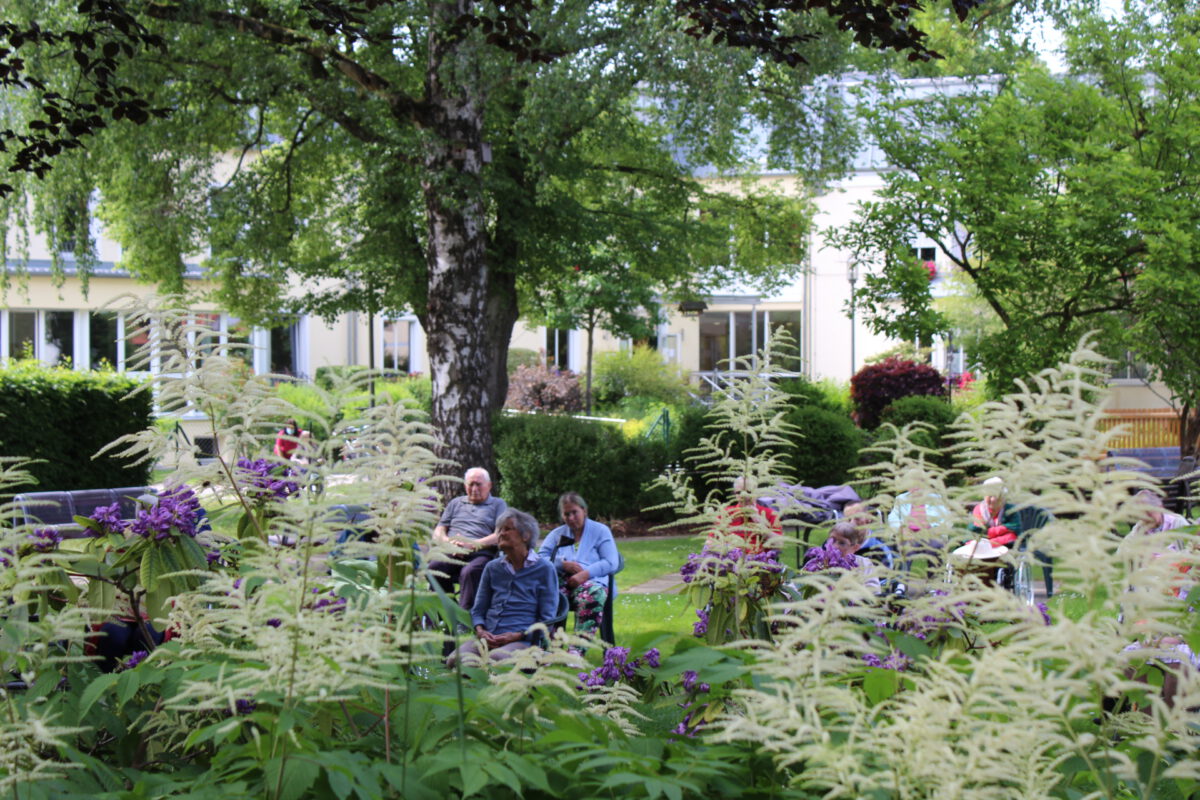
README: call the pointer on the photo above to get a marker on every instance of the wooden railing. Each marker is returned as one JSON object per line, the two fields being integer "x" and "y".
{"x": 1145, "y": 427}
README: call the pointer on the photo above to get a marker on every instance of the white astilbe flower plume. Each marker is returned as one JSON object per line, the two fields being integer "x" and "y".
{"x": 1010, "y": 705}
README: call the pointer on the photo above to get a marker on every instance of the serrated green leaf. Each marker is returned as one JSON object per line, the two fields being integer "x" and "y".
{"x": 150, "y": 570}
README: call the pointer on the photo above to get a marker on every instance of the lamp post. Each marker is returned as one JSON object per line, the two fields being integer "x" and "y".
{"x": 852, "y": 276}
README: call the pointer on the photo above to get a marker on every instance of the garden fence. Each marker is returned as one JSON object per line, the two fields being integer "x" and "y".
{"x": 1145, "y": 427}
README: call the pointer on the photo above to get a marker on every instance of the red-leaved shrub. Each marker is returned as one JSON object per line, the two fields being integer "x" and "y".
{"x": 876, "y": 386}
{"x": 541, "y": 389}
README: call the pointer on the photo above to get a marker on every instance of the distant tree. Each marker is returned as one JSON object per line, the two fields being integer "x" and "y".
{"x": 1071, "y": 203}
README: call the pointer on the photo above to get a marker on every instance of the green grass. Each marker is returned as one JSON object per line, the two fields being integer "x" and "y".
{"x": 652, "y": 558}
{"x": 641, "y": 616}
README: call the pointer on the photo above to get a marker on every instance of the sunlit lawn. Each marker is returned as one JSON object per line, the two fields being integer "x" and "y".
{"x": 652, "y": 558}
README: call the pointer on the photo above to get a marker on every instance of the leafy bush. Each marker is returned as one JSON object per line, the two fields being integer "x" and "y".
{"x": 541, "y": 456}
{"x": 64, "y": 418}
{"x": 639, "y": 372}
{"x": 521, "y": 357}
{"x": 827, "y": 394}
{"x": 877, "y": 386}
{"x": 827, "y": 448}
{"x": 328, "y": 376}
{"x": 931, "y": 409}
{"x": 541, "y": 389}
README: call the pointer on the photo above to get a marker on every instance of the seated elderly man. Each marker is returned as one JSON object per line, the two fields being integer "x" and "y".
{"x": 517, "y": 590}
{"x": 469, "y": 522}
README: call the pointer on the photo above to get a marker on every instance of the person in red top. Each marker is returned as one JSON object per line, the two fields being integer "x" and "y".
{"x": 998, "y": 519}
{"x": 288, "y": 439}
{"x": 750, "y": 520}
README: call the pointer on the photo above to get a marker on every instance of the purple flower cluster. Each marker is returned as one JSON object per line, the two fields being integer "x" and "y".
{"x": 135, "y": 658}
{"x": 701, "y": 627}
{"x": 175, "y": 512}
{"x": 43, "y": 540}
{"x": 266, "y": 480}
{"x": 327, "y": 601}
{"x": 688, "y": 680}
{"x": 713, "y": 564}
{"x": 617, "y": 666}
{"x": 828, "y": 556}
{"x": 109, "y": 518}
{"x": 895, "y": 661}
{"x": 921, "y": 627}
{"x": 1045, "y": 612}
{"x": 245, "y": 706}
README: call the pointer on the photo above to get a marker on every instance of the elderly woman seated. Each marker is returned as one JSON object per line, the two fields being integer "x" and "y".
{"x": 517, "y": 590}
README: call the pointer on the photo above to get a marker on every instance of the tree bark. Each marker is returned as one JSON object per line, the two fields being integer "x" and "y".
{"x": 1189, "y": 430}
{"x": 461, "y": 357}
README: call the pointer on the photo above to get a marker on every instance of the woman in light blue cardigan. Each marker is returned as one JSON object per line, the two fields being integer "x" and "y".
{"x": 585, "y": 553}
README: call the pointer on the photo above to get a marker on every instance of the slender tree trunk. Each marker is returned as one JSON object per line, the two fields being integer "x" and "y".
{"x": 1189, "y": 430}
{"x": 461, "y": 358}
{"x": 587, "y": 396}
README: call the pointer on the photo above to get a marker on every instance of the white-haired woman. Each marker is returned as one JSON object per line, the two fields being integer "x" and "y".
{"x": 517, "y": 590}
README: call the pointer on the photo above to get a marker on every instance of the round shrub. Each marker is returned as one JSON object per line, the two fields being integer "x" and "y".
{"x": 540, "y": 456}
{"x": 541, "y": 389}
{"x": 827, "y": 449}
{"x": 877, "y": 386}
{"x": 930, "y": 409}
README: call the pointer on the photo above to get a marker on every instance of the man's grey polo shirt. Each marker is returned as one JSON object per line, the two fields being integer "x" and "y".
{"x": 468, "y": 520}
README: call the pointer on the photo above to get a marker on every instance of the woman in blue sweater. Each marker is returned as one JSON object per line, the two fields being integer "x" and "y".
{"x": 518, "y": 588}
{"x": 584, "y": 553}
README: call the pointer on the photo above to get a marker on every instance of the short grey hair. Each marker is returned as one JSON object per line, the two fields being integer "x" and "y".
{"x": 524, "y": 524}
{"x": 571, "y": 497}
{"x": 1149, "y": 498}
{"x": 480, "y": 470}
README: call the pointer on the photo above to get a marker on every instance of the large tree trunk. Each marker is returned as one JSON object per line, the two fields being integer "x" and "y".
{"x": 460, "y": 353}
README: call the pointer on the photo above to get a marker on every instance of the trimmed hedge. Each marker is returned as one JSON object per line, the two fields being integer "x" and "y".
{"x": 540, "y": 456}
{"x": 63, "y": 418}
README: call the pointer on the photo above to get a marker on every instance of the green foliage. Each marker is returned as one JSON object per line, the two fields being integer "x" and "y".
{"x": 639, "y": 372}
{"x": 521, "y": 357}
{"x": 310, "y": 400}
{"x": 63, "y": 418}
{"x": 930, "y": 409}
{"x": 316, "y": 670}
{"x": 328, "y": 376}
{"x": 541, "y": 456}
{"x": 1075, "y": 218}
{"x": 826, "y": 449}
{"x": 826, "y": 393}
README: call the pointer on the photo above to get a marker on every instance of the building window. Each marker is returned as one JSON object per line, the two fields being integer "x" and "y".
{"x": 104, "y": 340}
{"x": 714, "y": 340}
{"x": 285, "y": 349}
{"x": 1131, "y": 368}
{"x": 59, "y": 345}
{"x": 558, "y": 348}
{"x": 725, "y": 335}
{"x": 22, "y": 334}
{"x": 397, "y": 345}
